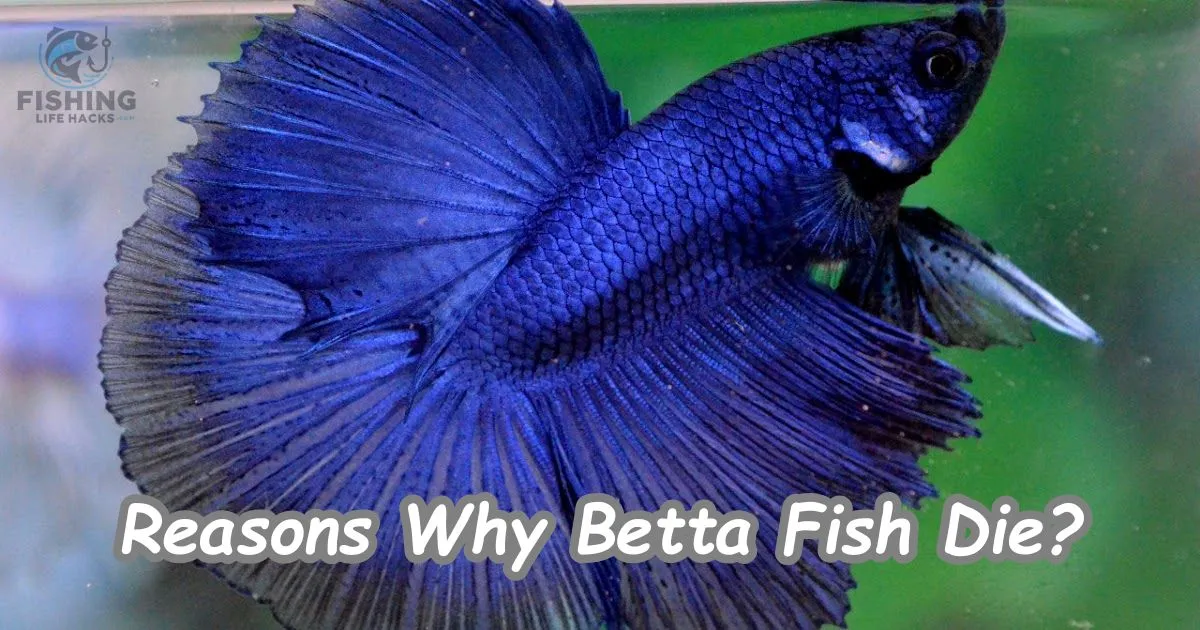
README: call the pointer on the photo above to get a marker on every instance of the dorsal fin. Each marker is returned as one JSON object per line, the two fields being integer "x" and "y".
{"x": 383, "y": 159}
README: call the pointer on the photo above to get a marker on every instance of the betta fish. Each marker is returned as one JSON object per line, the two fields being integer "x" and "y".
{"x": 419, "y": 249}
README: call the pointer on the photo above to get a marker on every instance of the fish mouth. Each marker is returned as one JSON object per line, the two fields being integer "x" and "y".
{"x": 986, "y": 27}
{"x": 870, "y": 180}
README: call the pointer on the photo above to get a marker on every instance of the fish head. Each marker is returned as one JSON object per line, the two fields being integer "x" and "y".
{"x": 85, "y": 40}
{"x": 905, "y": 91}
{"x": 886, "y": 100}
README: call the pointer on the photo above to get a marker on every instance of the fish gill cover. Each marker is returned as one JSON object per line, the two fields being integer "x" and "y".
{"x": 419, "y": 249}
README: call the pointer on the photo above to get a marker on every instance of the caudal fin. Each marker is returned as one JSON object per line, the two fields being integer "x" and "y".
{"x": 363, "y": 172}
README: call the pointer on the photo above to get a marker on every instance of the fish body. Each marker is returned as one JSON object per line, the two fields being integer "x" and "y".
{"x": 419, "y": 250}
{"x": 741, "y": 174}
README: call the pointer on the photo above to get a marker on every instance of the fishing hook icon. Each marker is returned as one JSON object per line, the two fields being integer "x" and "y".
{"x": 106, "y": 43}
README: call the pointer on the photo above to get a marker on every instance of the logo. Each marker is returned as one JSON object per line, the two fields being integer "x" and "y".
{"x": 75, "y": 58}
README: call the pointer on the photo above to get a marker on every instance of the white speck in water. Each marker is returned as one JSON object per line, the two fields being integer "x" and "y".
{"x": 1143, "y": 361}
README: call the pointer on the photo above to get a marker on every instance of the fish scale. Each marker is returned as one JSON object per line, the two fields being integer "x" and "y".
{"x": 672, "y": 218}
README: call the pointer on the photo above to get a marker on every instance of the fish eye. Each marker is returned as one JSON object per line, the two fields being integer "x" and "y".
{"x": 939, "y": 61}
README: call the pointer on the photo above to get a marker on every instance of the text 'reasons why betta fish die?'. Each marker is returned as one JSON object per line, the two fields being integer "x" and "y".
{"x": 426, "y": 330}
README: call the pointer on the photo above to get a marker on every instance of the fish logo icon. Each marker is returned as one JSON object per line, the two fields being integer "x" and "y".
{"x": 75, "y": 58}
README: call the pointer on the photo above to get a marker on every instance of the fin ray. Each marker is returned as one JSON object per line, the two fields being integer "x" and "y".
{"x": 359, "y": 101}
{"x": 931, "y": 277}
{"x": 783, "y": 389}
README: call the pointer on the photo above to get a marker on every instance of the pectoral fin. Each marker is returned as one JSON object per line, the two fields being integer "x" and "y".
{"x": 930, "y": 276}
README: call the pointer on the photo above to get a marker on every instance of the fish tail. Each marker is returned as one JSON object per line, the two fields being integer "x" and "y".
{"x": 183, "y": 330}
{"x": 219, "y": 414}
{"x": 363, "y": 173}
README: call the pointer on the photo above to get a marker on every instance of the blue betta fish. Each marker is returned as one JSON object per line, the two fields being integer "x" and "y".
{"x": 419, "y": 249}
